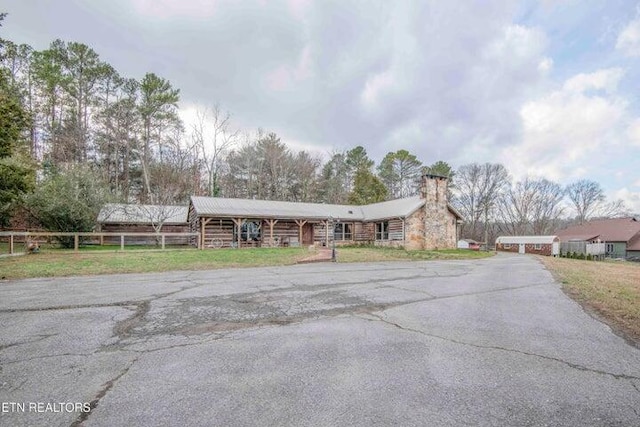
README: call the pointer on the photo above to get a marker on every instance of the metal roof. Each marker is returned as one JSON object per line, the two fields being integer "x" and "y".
{"x": 249, "y": 208}
{"x": 392, "y": 208}
{"x": 515, "y": 240}
{"x": 112, "y": 213}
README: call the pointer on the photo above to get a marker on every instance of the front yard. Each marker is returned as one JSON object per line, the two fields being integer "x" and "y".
{"x": 610, "y": 289}
{"x": 65, "y": 263}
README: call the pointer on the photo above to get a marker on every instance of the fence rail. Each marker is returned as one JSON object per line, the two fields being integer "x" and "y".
{"x": 32, "y": 236}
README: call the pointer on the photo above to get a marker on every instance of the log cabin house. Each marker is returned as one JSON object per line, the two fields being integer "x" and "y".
{"x": 426, "y": 221}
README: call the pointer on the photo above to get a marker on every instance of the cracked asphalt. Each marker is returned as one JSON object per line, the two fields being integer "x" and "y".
{"x": 490, "y": 342}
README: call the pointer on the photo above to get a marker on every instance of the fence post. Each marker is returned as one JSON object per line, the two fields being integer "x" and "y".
{"x": 163, "y": 241}
{"x": 122, "y": 242}
{"x": 75, "y": 242}
{"x": 11, "y": 244}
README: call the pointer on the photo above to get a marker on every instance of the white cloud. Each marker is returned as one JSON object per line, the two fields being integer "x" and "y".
{"x": 606, "y": 80}
{"x": 285, "y": 77}
{"x": 631, "y": 198}
{"x": 405, "y": 135}
{"x": 170, "y": 9}
{"x": 545, "y": 65}
{"x": 629, "y": 39}
{"x": 374, "y": 89}
{"x": 633, "y": 132}
{"x": 563, "y": 132}
{"x": 518, "y": 44}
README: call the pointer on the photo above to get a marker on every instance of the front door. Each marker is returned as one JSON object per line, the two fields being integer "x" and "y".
{"x": 307, "y": 234}
{"x": 521, "y": 248}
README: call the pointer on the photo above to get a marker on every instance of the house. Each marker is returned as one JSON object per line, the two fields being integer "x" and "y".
{"x": 426, "y": 221}
{"x": 469, "y": 244}
{"x": 620, "y": 235}
{"x": 125, "y": 218}
{"x": 538, "y": 245}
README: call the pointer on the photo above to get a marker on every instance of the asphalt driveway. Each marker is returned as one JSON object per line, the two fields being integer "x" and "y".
{"x": 490, "y": 342}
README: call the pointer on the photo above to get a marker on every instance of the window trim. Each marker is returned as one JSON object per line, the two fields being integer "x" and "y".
{"x": 382, "y": 230}
{"x": 506, "y": 246}
{"x": 345, "y": 232}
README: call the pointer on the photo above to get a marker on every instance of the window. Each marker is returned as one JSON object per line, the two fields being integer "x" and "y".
{"x": 609, "y": 249}
{"x": 506, "y": 246}
{"x": 537, "y": 246}
{"x": 250, "y": 231}
{"x": 342, "y": 231}
{"x": 382, "y": 230}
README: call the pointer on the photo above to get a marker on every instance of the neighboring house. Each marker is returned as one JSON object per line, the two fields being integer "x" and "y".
{"x": 421, "y": 222}
{"x": 469, "y": 244}
{"x": 123, "y": 218}
{"x": 539, "y": 245}
{"x": 620, "y": 235}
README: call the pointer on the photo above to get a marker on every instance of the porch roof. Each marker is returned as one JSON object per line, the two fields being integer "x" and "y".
{"x": 249, "y": 208}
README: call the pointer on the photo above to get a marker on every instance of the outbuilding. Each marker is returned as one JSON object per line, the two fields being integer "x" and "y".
{"x": 539, "y": 245}
{"x": 124, "y": 218}
{"x": 469, "y": 244}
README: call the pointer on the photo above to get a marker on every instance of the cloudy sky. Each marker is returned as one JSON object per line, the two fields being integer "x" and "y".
{"x": 548, "y": 88}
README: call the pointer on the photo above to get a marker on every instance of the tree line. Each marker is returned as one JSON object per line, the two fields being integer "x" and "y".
{"x": 75, "y": 134}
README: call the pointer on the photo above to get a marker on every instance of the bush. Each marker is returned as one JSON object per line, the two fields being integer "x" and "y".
{"x": 68, "y": 201}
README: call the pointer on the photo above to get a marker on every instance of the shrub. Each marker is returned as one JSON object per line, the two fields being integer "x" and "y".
{"x": 68, "y": 201}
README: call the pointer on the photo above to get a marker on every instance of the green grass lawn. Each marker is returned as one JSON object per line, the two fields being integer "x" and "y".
{"x": 58, "y": 263}
{"x": 611, "y": 289}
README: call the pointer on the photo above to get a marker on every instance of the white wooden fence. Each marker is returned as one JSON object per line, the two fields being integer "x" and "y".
{"x": 582, "y": 247}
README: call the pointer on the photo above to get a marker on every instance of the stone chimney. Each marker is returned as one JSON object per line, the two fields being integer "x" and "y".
{"x": 439, "y": 223}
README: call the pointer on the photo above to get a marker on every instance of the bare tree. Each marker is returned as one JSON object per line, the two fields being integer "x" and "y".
{"x": 479, "y": 187}
{"x": 586, "y": 197}
{"x": 530, "y": 206}
{"x": 515, "y": 208}
{"x": 613, "y": 209}
{"x": 213, "y": 136}
{"x": 547, "y": 207}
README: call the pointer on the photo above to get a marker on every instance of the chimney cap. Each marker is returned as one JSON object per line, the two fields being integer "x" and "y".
{"x": 434, "y": 176}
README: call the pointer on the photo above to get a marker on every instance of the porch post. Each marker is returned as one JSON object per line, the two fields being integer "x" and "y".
{"x": 203, "y": 226}
{"x": 326, "y": 232}
{"x": 238, "y": 223}
{"x": 271, "y": 223}
{"x": 300, "y": 223}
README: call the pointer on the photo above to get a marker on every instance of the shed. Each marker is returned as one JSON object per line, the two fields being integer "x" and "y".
{"x": 469, "y": 244}
{"x": 126, "y": 218}
{"x": 539, "y": 245}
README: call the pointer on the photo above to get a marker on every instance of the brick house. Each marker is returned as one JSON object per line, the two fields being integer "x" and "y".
{"x": 538, "y": 245}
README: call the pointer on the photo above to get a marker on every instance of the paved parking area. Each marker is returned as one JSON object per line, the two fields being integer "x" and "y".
{"x": 483, "y": 342}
